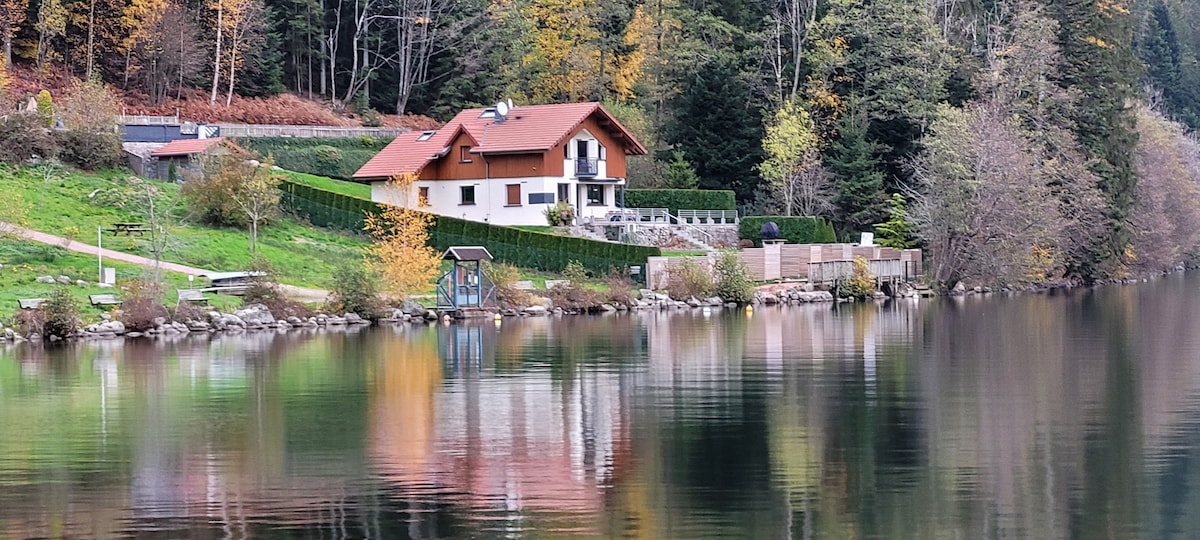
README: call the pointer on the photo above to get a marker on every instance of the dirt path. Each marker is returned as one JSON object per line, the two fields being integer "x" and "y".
{"x": 302, "y": 294}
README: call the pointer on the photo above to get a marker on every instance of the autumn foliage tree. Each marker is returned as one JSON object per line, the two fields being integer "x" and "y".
{"x": 401, "y": 254}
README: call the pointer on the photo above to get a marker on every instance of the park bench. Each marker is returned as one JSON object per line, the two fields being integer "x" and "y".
{"x": 104, "y": 299}
{"x": 552, "y": 283}
{"x": 128, "y": 228}
{"x": 523, "y": 285}
{"x": 192, "y": 296}
{"x": 31, "y": 303}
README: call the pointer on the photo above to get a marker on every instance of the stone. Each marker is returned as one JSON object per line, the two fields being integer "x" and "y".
{"x": 816, "y": 296}
{"x": 646, "y": 294}
{"x": 134, "y": 334}
{"x": 431, "y": 315}
{"x": 535, "y": 310}
{"x": 294, "y": 321}
{"x": 105, "y": 285}
{"x": 768, "y": 298}
{"x": 354, "y": 318}
{"x": 255, "y": 314}
{"x": 116, "y": 327}
{"x": 63, "y": 279}
{"x": 45, "y": 279}
{"x": 607, "y": 308}
{"x": 335, "y": 321}
{"x": 730, "y": 304}
{"x": 159, "y": 321}
{"x": 81, "y": 283}
{"x": 412, "y": 308}
{"x": 959, "y": 289}
{"x": 558, "y": 311}
{"x": 713, "y": 301}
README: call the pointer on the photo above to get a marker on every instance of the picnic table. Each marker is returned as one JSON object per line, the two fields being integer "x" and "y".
{"x": 128, "y": 228}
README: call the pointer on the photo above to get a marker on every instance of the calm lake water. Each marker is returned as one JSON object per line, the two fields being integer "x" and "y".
{"x": 1065, "y": 416}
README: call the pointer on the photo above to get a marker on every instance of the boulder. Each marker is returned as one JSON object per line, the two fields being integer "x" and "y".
{"x": 255, "y": 314}
{"x": 647, "y": 294}
{"x": 294, "y": 321}
{"x": 558, "y": 311}
{"x": 105, "y": 285}
{"x": 959, "y": 289}
{"x": 116, "y": 327}
{"x": 159, "y": 321}
{"x": 768, "y": 298}
{"x": 713, "y": 301}
{"x": 535, "y": 310}
{"x": 412, "y": 308}
{"x": 693, "y": 302}
{"x": 431, "y": 315}
{"x": 63, "y": 279}
{"x": 81, "y": 283}
{"x": 607, "y": 308}
{"x": 815, "y": 296}
{"x": 45, "y": 279}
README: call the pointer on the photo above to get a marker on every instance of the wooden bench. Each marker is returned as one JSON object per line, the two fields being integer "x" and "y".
{"x": 31, "y": 303}
{"x": 128, "y": 228}
{"x": 104, "y": 299}
{"x": 523, "y": 285}
{"x": 192, "y": 296}
{"x": 552, "y": 283}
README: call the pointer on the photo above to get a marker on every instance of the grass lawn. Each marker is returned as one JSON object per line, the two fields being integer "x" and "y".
{"x": 353, "y": 189}
{"x": 76, "y": 205}
{"x": 25, "y": 261}
{"x": 683, "y": 253}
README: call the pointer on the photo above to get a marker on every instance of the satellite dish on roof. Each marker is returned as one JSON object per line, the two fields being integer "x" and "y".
{"x": 502, "y": 109}
{"x": 510, "y": 105}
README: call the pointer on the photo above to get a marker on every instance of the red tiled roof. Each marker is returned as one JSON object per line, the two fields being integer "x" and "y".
{"x": 529, "y": 128}
{"x": 185, "y": 147}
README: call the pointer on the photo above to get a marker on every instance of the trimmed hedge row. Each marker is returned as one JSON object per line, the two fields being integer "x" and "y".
{"x": 332, "y": 157}
{"x": 676, "y": 199}
{"x": 528, "y": 249}
{"x": 794, "y": 229}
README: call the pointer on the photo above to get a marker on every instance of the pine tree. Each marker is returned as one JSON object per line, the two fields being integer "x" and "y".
{"x": 859, "y": 182}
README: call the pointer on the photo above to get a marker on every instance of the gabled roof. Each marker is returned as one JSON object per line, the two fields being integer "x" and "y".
{"x": 467, "y": 253}
{"x": 186, "y": 147}
{"x": 526, "y": 129}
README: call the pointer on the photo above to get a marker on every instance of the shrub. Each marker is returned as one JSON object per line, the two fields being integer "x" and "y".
{"x": 861, "y": 283}
{"x": 61, "y": 314}
{"x": 794, "y": 229}
{"x": 91, "y": 150}
{"x": 265, "y": 290}
{"x": 327, "y": 155}
{"x": 355, "y": 289}
{"x": 299, "y": 155}
{"x": 185, "y": 311}
{"x": 675, "y": 199}
{"x": 573, "y": 298}
{"x": 91, "y": 107}
{"x": 210, "y": 196}
{"x": 621, "y": 289}
{"x": 29, "y": 321}
{"x": 141, "y": 303}
{"x": 45, "y": 108}
{"x": 559, "y": 215}
{"x": 575, "y": 273}
{"x": 506, "y": 276}
{"x": 732, "y": 278}
{"x": 687, "y": 279}
{"x": 23, "y": 136}
{"x": 371, "y": 118}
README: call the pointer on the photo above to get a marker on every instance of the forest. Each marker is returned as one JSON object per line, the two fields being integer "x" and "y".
{"x": 1016, "y": 140}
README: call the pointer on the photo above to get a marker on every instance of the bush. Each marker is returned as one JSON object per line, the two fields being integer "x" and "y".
{"x": 185, "y": 311}
{"x": 559, "y": 215}
{"x": 573, "y": 298}
{"x": 732, "y": 278}
{"x": 23, "y": 136}
{"x": 505, "y": 276}
{"x": 210, "y": 196}
{"x": 575, "y": 273}
{"x": 861, "y": 283}
{"x": 327, "y": 155}
{"x": 141, "y": 303}
{"x": 60, "y": 314}
{"x": 675, "y": 199}
{"x": 355, "y": 289}
{"x": 621, "y": 289}
{"x": 794, "y": 229}
{"x": 265, "y": 290}
{"x": 91, "y": 150}
{"x": 371, "y": 118}
{"x": 45, "y": 108}
{"x": 687, "y": 279}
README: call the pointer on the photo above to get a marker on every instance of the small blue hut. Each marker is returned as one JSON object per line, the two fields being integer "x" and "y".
{"x": 465, "y": 287}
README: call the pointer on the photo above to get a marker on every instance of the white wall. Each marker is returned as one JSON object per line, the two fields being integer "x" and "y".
{"x": 490, "y": 198}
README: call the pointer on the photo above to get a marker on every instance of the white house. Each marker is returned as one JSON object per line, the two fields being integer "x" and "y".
{"x": 507, "y": 169}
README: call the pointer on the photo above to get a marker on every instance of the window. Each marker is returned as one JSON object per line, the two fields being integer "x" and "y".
{"x": 595, "y": 195}
{"x": 581, "y": 149}
{"x": 564, "y": 193}
{"x": 425, "y": 135}
{"x": 464, "y": 154}
{"x": 541, "y": 198}
{"x": 603, "y": 154}
{"x": 489, "y": 112}
{"x": 423, "y": 196}
{"x": 467, "y": 195}
{"x": 514, "y": 195}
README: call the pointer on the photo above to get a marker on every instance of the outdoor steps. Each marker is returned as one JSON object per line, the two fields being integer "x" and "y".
{"x": 586, "y": 232}
{"x": 683, "y": 233}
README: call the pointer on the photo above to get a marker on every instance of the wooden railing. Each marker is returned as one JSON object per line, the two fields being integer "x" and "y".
{"x": 830, "y": 271}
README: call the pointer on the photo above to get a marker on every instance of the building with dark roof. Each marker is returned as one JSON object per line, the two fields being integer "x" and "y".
{"x": 508, "y": 168}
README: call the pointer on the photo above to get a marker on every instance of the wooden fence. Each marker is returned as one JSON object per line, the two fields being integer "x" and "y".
{"x": 818, "y": 263}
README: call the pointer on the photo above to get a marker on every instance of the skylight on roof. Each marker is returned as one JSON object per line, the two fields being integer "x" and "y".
{"x": 425, "y": 135}
{"x": 489, "y": 112}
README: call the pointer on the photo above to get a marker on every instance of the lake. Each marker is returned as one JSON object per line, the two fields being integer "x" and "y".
{"x": 1074, "y": 415}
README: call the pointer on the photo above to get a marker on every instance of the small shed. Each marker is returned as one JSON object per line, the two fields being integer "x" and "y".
{"x": 465, "y": 287}
{"x": 185, "y": 156}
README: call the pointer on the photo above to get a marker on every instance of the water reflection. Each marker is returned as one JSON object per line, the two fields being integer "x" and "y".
{"x": 1037, "y": 416}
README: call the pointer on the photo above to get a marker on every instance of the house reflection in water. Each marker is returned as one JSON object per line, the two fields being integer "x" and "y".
{"x": 516, "y": 450}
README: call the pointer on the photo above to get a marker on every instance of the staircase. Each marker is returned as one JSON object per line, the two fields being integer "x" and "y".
{"x": 586, "y": 232}
{"x": 692, "y": 237}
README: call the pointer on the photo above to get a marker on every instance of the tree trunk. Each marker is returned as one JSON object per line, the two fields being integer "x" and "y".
{"x": 232, "y": 71}
{"x": 212, "y": 100}
{"x": 91, "y": 38}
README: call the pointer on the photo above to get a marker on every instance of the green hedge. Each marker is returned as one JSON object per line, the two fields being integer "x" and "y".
{"x": 523, "y": 248}
{"x": 676, "y": 199}
{"x": 796, "y": 230}
{"x": 333, "y": 157}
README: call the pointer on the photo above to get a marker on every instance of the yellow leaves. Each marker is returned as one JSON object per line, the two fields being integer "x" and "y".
{"x": 628, "y": 67}
{"x": 1040, "y": 263}
{"x": 1109, "y": 8}
{"x": 1098, "y": 42}
{"x": 400, "y": 253}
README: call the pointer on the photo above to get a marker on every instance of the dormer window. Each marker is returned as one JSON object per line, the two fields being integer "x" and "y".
{"x": 425, "y": 136}
{"x": 489, "y": 112}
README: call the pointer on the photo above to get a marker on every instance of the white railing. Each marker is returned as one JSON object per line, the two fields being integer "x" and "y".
{"x": 830, "y": 271}
{"x": 145, "y": 120}
{"x": 709, "y": 217}
{"x": 640, "y": 215}
{"x": 266, "y": 130}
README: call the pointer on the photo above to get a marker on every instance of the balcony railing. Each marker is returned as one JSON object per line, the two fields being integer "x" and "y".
{"x": 587, "y": 167}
